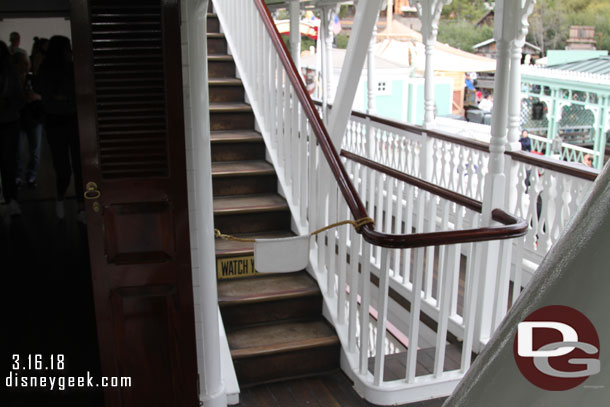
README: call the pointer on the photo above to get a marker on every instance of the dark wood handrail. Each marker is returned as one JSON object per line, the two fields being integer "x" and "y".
{"x": 564, "y": 167}
{"x": 512, "y": 225}
{"x": 444, "y": 193}
{"x": 515, "y": 226}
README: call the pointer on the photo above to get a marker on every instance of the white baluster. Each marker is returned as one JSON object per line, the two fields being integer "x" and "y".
{"x": 354, "y": 258}
{"x": 365, "y": 295}
{"x": 382, "y": 315}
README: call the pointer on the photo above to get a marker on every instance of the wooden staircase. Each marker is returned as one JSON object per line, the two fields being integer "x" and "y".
{"x": 274, "y": 322}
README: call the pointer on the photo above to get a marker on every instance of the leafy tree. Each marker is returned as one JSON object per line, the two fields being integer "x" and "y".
{"x": 462, "y": 34}
{"x": 551, "y": 20}
{"x": 469, "y": 10}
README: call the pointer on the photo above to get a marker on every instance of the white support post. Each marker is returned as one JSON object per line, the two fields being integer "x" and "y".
{"x": 211, "y": 385}
{"x": 389, "y": 14}
{"x": 371, "y": 80}
{"x": 366, "y": 15}
{"x": 514, "y": 101}
{"x": 295, "y": 33}
{"x": 326, "y": 53}
{"x": 493, "y": 195}
{"x": 601, "y": 126}
{"x": 429, "y": 12}
{"x": 508, "y": 28}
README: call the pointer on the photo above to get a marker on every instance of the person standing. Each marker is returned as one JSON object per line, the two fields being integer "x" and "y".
{"x": 526, "y": 141}
{"x": 56, "y": 86}
{"x": 31, "y": 125}
{"x": 12, "y": 101}
{"x": 15, "y": 40}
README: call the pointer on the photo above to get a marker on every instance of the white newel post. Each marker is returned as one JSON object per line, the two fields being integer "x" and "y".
{"x": 493, "y": 195}
{"x": 295, "y": 33}
{"x": 429, "y": 12}
{"x": 211, "y": 386}
{"x": 514, "y": 103}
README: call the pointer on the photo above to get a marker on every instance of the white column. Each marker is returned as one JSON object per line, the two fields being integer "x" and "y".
{"x": 370, "y": 75}
{"x": 326, "y": 61}
{"x": 366, "y": 15}
{"x": 390, "y": 14}
{"x": 514, "y": 104}
{"x": 295, "y": 33}
{"x": 211, "y": 386}
{"x": 507, "y": 28}
{"x": 328, "y": 44}
{"x": 429, "y": 12}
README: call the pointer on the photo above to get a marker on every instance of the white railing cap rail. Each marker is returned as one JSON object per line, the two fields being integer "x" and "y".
{"x": 584, "y": 77}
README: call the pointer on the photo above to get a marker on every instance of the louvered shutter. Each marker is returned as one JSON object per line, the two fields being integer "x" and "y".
{"x": 131, "y": 122}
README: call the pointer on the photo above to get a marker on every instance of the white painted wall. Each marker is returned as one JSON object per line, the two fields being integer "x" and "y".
{"x": 29, "y": 28}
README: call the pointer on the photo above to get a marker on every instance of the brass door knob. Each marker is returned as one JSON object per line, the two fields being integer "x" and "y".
{"x": 91, "y": 191}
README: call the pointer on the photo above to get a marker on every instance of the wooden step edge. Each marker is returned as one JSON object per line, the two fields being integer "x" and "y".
{"x": 256, "y": 299}
{"x": 225, "y": 82}
{"x": 256, "y": 209}
{"x": 230, "y": 108}
{"x": 245, "y": 137}
{"x": 220, "y": 57}
{"x": 212, "y": 15}
{"x": 215, "y": 35}
{"x": 239, "y": 252}
{"x": 284, "y": 347}
{"x": 251, "y": 172}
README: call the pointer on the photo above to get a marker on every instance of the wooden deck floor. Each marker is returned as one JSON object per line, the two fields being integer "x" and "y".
{"x": 333, "y": 389}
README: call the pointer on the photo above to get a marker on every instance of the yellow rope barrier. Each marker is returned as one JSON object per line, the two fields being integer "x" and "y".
{"x": 355, "y": 223}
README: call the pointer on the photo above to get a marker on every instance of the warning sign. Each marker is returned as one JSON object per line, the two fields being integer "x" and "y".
{"x": 235, "y": 267}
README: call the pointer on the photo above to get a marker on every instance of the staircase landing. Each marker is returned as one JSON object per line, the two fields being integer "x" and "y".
{"x": 330, "y": 390}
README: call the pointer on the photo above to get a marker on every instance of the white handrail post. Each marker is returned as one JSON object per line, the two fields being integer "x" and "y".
{"x": 366, "y": 15}
{"x": 493, "y": 195}
{"x": 295, "y": 33}
{"x": 211, "y": 385}
{"x": 429, "y": 12}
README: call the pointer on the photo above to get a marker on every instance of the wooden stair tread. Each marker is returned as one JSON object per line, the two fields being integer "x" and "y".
{"x": 236, "y": 136}
{"x": 266, "y": 288}
{"x": 241, "y": 168}
{"x": 215, "y": 35}
{"x": 280, "y": 337}
{"x": 228, "y": 81}
{"x": 234, "y": 204}
{"x": 220, "y": 57}
{"x": 230, "y": 107}
{"x": 231, "y": 248}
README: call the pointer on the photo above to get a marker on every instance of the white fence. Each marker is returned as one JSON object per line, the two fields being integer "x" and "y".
{"x": 459, "y": 163}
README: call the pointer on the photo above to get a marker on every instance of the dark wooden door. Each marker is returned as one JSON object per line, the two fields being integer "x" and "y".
{"x": 127, "y": 58}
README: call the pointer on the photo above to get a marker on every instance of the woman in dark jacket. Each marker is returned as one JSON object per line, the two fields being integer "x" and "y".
{"x": 12, "y": 99}
{"x": 56, "y": 86}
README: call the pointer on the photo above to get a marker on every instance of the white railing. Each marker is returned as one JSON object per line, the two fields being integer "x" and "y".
{"x": 482, "y": 132}
{"x": 550, "y": 73}
{"x": 418, "y": 251}
{"x": 547, "y": 195}
{"x": 569, "y": 152}
{"x": 460, "y": 164}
